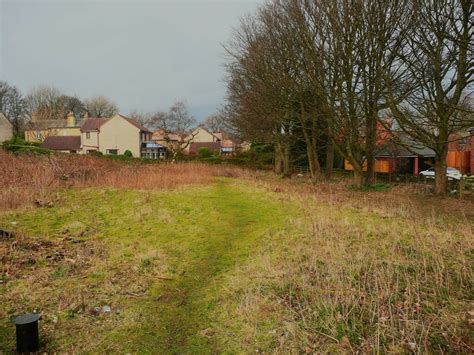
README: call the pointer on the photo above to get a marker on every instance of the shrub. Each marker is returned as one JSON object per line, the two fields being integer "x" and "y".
{"x": 204, "y": 152}
{"x": 18, "y": 145}
{"x": 128, "y": 153}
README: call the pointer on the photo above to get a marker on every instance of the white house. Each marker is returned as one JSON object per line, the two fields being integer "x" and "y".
{"x": 6, "y": 128}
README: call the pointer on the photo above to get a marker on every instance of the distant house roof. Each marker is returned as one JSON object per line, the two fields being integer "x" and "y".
{"x": 62, "y": 143}
{"x": 194, "y": 147}
{"x": 406, "y": 147}
{"x": 159, "y": 135}
{"x": 228, "y": 143}
{"x": 47, "y": 124}
{"x": 217, "y": 136}
{"x": 93, "y": 124}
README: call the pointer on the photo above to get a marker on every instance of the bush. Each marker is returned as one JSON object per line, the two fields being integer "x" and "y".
{"x": 211, "y": 160}
{"x": 18, "y": 145}
{"x": 204, "y": 152}
{"x": 128, "y": 153}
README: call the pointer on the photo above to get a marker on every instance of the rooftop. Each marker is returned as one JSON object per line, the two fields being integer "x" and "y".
{"x": 62, "y": 143}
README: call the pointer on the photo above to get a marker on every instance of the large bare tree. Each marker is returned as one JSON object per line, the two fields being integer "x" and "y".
{"x": 43, "y": 103}
{"x": 439, "y": 65}
{"x": 100, "y": 106}
{"x": 216, "y": 122}
{"x": 13, "y": 106}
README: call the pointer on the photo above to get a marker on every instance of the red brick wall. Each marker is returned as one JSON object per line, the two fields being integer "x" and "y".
{"x": 472, "y": 151}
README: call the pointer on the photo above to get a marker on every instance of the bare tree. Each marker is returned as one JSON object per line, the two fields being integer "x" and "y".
{"x": 71, "y": 104}
{"x": 439, "y": 63}
{"x": 175, "y": 126}
{"x": 257, "y": 87}
{"x": 43, "y": 103}
{"x": 100, "y": 106}
{"x": 216, "y": 122}
{"x": 144, "y": 118}
{"x": 13, "y": 106}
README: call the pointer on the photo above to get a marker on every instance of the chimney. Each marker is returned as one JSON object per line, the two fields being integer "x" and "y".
{"x": 71, "y": 119}
{"x": 86, "y": 115}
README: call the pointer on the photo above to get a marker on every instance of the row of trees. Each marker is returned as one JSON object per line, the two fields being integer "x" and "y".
{"x": 326, "y": 74}
{"x": 48, "y": 103}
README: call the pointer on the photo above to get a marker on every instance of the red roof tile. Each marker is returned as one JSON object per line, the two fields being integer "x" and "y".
{"x": 136, "y": 124}
{"x": 62, "y": 143}
{"x": 194, "y": 147}
{"x": 93, "y": 124}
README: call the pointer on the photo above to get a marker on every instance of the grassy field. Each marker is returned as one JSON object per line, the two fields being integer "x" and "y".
{"x": 239, "y": 265}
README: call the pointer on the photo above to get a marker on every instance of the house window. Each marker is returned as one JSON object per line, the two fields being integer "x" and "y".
{"x": 112, "y": 151}
{"x": 88, "y": 135}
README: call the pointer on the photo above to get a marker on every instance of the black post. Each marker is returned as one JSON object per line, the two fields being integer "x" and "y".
{"x": 27, "y": 337}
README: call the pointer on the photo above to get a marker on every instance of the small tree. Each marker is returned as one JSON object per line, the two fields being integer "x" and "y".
{"x": 176, "y": 125}
{"x": 204, "y": 152}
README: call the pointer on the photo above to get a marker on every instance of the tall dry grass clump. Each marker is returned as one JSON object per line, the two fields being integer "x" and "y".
{"x": 26, "y": 179}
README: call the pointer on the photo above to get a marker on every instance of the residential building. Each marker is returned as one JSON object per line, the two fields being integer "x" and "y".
{"x": 153, "y": 150}
{"x": 6, "y": 128}
{"x": 160, "y": 137}
{"x": 407, "y": 156}
{"x": 471, "y": 131}
{"x": 228, "y": 147}
{"x": 202, "y": 135}
{"x": 37, "y": 131}
{"x": 114, "y": 136}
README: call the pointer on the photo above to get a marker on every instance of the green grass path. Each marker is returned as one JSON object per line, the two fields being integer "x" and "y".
{"x": 203, "y": 233}
{"x": 236, "y": 220}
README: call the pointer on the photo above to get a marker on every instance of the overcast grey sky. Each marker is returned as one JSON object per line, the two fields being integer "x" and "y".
{"x": 142, "y": 54}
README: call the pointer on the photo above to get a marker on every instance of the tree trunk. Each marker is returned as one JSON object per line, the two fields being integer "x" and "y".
{"x": 329, "y": 159}
{"x": 371, "y": 136}
{"x": 278, "y": 158}
{"x": 310, "y": 136}
{"x": 358, "y": 177}
{"x": 441, "y": 180}
{"x": 370, "y": 177}
{"x": 286, "y": 160}
{"x": 314, "y": 167}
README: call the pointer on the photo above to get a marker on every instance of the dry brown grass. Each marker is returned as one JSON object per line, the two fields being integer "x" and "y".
{"x": 365, "y": 272}
{"x": 26, "y": 179}
{"x": 406, "y": 200}
{"x": 353, "y": 271}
